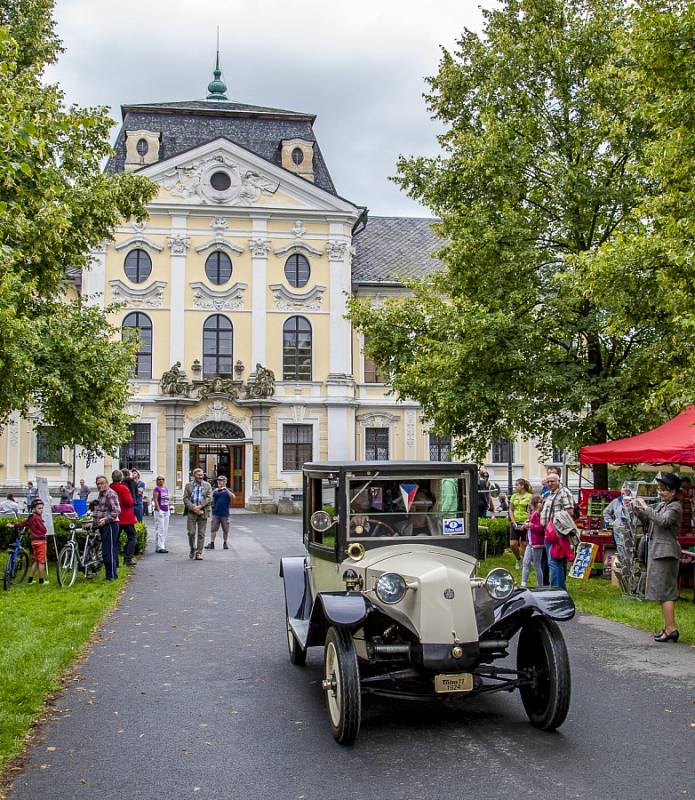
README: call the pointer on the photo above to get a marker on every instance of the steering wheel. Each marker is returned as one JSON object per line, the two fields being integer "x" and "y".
{"x": 376, "y": 522}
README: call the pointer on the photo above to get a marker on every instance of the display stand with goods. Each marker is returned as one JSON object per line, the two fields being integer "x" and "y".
{"x": 631, "y": 572}
{"x": 592, "y": 503}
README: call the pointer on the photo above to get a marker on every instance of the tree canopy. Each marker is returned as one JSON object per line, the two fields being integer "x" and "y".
{"x": 59, "y": 359}
{"x": 543, "y": 321}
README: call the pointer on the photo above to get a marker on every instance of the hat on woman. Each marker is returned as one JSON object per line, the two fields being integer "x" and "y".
{"x": 670, "y": 481}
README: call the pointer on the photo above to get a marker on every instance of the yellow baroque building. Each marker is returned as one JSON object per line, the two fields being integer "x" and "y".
{"x": 237, "y": 287}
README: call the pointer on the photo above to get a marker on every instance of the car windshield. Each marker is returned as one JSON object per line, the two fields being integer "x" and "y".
{"x": 390, "y": 506}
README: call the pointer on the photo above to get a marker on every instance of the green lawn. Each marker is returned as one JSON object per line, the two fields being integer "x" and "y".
{"x": 43, "y": 629}
{"x": 600, "y": 597}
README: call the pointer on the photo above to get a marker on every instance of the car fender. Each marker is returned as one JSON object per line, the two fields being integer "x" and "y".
{"x": 347, "y": 609}
{"x": 297, "y": 587}
{"x": 510, "y": 614}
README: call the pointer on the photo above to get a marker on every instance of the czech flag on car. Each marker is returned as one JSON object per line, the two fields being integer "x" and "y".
{"x": 408, "y": 492}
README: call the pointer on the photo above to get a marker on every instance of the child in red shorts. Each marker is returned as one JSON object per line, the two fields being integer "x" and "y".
{"x": 37, "y": 536}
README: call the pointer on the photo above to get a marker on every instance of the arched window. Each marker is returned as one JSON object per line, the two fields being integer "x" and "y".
{"x": 218, "y": 267}
{"x": 137, "y": 266}
{"x": 297, "y": 270}
{"x": 218, "y": 340}
{"x": 296, "y": 350}
{"x": 139, "y": 325}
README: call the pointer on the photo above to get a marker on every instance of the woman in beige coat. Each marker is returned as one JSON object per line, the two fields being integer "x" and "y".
{"x": 664, "y": 551}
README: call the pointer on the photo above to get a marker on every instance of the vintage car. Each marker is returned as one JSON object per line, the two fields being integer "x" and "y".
{"x": 389, "y": 589}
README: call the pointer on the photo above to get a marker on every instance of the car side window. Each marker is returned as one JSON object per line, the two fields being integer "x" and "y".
{"x": 323, "y": 498}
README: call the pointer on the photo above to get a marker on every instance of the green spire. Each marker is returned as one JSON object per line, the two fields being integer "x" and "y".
{"x": 217, "y": 87}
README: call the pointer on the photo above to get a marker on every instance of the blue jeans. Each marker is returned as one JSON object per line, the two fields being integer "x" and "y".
{"x": 139, "y": 511}
{"x": 558, "y": 572}
{"x": 109, "y": 548}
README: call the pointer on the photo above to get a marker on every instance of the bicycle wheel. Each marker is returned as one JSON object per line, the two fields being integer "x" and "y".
{"x": 67, "y": 566}
{"x": 7, "y": 572}
{"x": 21, "y": 566}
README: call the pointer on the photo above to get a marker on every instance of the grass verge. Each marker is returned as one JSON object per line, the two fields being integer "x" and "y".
{"x": 43, "y": 630}
{"x": 598, "y": 596}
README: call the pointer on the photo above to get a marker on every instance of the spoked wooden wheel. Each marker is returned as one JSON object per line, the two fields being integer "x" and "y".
{"x": 341, "y": 682}
{"x": 542, "y": 650}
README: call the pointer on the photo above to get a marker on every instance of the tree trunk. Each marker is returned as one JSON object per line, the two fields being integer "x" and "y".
{"x": 600, "y": 471}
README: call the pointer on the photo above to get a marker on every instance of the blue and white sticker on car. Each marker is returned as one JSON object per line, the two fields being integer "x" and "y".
{"x": 453, "y": 527}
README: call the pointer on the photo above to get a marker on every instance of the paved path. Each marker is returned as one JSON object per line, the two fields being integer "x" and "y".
{"x": 190, "y": 695}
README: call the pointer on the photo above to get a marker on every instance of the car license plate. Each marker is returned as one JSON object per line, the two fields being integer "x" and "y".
{"x": 458, "y": 682}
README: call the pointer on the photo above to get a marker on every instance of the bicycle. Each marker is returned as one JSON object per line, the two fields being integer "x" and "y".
{"x": 70, "y": 558}
{"x": 17, "y": 562}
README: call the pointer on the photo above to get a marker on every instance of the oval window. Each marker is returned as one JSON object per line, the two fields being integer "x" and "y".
{"x": 142, "y": 147}
{"x": 297, "y": 270}
{"x": 138, "y": 266}
{"x": 220, "y": 181}
{"x": 218, "y": 267}
{"x": 297, "y": 155}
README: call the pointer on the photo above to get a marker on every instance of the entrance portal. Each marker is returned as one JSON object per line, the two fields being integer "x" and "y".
{"x": 217, "y": 457}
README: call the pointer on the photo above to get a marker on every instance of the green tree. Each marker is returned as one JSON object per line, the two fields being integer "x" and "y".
{"x": 526, "y": 329}
{"x": 57, "y": 357}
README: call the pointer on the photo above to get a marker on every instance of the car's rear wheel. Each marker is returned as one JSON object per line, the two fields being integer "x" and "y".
{"x": 542, "y": 652}
{"x": 341, "y": 682}
{"x": 297, "y": 655}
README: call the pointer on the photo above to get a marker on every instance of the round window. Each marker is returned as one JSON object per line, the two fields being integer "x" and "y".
{"x": 297, "y": 270}
{"x": 220, "y": 181}
{"x": 142, "y": 147}
{"x": 218, "y": 267}
{"x": 297, "y": 155}
{"x": 138, "y": 266}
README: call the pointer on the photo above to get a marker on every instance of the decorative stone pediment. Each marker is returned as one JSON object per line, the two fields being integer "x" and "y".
{"x": 139, "y": 241}
{"x": 298, "y": 246}
{"x": 297, "y": 301}
{"x": 219, "y": 243}
{"x": 242, "y": 185}
{"x": 231, "y": 299}
{"x": 151, "y": 296}
{"x": 218, "y": 410}
{"x": 381, "y": 419}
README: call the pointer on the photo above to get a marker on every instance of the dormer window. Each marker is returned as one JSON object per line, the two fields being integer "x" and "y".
{"x": 297, "y": 155}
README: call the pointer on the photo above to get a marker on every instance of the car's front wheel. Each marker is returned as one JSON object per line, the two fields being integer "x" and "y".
{"x": 341, "y": 682}
{"x": 542, "y": 653}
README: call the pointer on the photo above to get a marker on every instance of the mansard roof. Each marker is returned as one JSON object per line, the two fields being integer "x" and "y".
{"x": 389, "y": 249}
{"x": 190, "y": 123}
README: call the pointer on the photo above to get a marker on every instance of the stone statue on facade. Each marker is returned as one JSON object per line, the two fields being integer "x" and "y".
{"x": 173, "y": 382}
{"x": 219, "y": 385}
{"x": 263, "y": 386}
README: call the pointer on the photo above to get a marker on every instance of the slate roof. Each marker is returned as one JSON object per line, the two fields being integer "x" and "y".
{"x": 391, "y": 248}
{"x": 191, "y": 123}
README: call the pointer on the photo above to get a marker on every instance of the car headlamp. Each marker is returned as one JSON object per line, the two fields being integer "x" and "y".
{"x": 499, "y": 583}
{"x": 390, "y": 588}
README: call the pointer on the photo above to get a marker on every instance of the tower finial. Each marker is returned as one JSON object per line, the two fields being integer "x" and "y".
{"x": 217, "y": 87}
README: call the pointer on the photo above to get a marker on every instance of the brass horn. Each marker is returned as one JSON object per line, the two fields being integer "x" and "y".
{"x": 355, "y": 551}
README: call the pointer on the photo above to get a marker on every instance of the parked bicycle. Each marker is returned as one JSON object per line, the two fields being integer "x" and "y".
{"x": 70, "y": 559}
{"x": 17, "y": 562}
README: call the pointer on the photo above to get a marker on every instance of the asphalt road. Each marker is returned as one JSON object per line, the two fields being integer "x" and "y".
{"x": 189, "y": 693}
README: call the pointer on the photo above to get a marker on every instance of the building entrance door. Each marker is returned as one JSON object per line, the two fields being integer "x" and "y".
{"x": 217, "y": 454}
{"x": 221, "y": 459}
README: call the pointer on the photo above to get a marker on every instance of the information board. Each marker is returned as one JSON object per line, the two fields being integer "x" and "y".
{"x": 583, "y": 560}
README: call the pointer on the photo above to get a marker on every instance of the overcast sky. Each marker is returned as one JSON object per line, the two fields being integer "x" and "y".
{"x": 359, "y": 66}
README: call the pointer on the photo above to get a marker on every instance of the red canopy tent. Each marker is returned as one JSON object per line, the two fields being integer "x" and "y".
{"x": 670, "y": 443}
